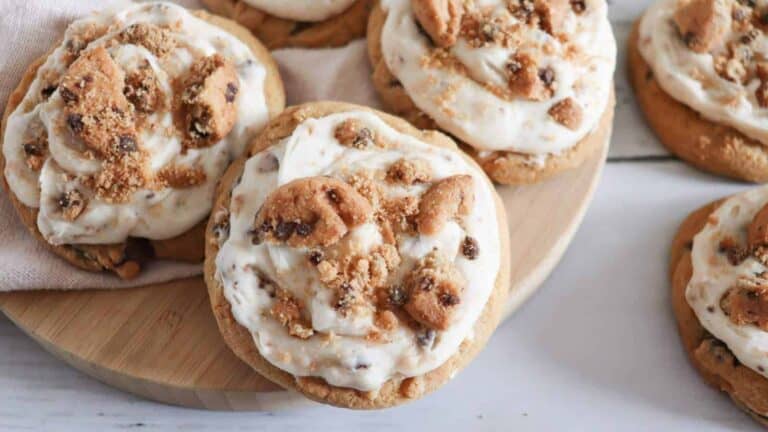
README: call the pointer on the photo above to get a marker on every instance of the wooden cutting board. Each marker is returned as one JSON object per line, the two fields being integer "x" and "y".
{"x": 161, "y": 342}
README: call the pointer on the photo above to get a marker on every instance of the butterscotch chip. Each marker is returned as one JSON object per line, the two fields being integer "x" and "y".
{"x": 208, "y": 100}
{"x": 351, "y": 133}
{"x": 526, "y": 80}
{"x": 311, "y": 212}
{"x": 703, "y": 24}
{"x": 434, "y": 288}
{"x": 567, "y": 112}
{"x": 159, "y": 41}
{"x": 447, "y": 199}
{"x": 72, "y": 204}
{"x": 440, "y": 19}
{"x": 408, "y": 172}
{"x": 747, "y": 304}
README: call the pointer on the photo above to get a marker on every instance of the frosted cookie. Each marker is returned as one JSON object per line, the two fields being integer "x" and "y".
{"x": 719, "y": 272}
{"x": 354, "y": 258}
{"x": 526, "y": 85}
{"x": 298, "y": 23}
{"x": 700, "y": 75}
{"x": 113, "y": 143}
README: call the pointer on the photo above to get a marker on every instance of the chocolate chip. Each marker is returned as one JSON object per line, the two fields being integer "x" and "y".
{"x": 221, "y": 230}
{"x": 67, "y": 95}
{"x": 470, "y": 248}
{"x": 48, "y": 91}
{"x": 764, "y": 18}
{"x": 397, "y": 295}
{"x": 690, "y": 39}
{"x": 126, "y": 144}
{"x": 489, "y": 30}
{"x": 315, "y": 257}
{"x": 31, "y": 149}
{"x": 284, "y": 230}
{"x": 197, "y": 129}
{"x": 514, "y": 66}
{"x": 363, "y": 139}
{"x": 547, "y": 76}
{"x": 303, "y": 229}
{"x": 711, "y": 309}
{"x": 761, "y": 369}
{"x": 75, "y": 122}
{"x": 426, "y": 338}
{"x": 448, "y": 300}
{"x": 333, "y": 196}
{"x": 300, "y": 26}
{"x": 362, "y": 366}
{"x": 231, "y": 92}
{"x": 578, "y": 6}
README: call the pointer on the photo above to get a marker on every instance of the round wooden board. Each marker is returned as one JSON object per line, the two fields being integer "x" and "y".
{"x": 161, "y": 342}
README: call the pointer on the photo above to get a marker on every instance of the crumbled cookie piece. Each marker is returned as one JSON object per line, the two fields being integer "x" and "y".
{"x": 434, "y": 288}
{"x": 757, "y": 236}
{"x": 527, "y": 80}
{"x": 351, "y": 133}
{"x": 567, "y": 112}
{"x": 552, "y": 13}
{"x": 733, "y": 250}
{"x": 440, "y": 19}
{"x": 579, "y": 6}
{"x": 210, "y": 90}
{"x": 79, "y": 40}
{"x": 159, "y": 41}
{"x": 287, "y": 311}
{"x": 401, "y": 213}
{"x": 747, "y": 304}
{"x": 470, "y": 248}
{"x": 409, "y": 172}
{"x": 762, "y": 91}
{"x": 72, "y": 204}
{"x": 35, "y": 147}
{"x": 143, "y": 90}
{"x": 411, "y": 388}
{"x": 311, "y": 212}
{"x": 445, "y": 200}
{"x": 181, "y": 177}
{"x": 703, "y": 24}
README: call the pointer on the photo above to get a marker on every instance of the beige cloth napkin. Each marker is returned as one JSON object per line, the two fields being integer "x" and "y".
{"x": 28, "y": 28}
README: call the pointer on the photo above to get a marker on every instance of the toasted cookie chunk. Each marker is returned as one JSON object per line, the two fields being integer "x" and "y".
{"x": 699, "y": 73}
{"x": 525, "y": 85}
{"x": 720, "y": 296}
{"x": 298, "y": 23}
{"x": 113, "y": 143}
{"x": 362, "y": 276}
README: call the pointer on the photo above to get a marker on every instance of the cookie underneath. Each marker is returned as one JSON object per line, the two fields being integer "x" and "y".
{"x": 711, "y": 357}
{"x": 277, "y": 32}
{"x": 507, "y": 168}
{"x": 395, "y": 391}
{"x": 126, "y": 259}
{"x": 708, "y": 146}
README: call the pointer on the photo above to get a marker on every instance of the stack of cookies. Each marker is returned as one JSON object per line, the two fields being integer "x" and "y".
{"x": 358, "y": 257}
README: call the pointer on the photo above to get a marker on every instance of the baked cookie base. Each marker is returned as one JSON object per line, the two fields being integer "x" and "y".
{"x": 240, "y": 339}
{"x": 708, "y": 146}
{"x": 277, "y": 33}
{"x": 114, "y": 258}
{"x": 506, "y": 168}
{"x": 710, "y": 357}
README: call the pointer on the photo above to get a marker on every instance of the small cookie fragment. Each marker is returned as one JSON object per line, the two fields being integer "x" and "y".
{"x": 703, "y": 24}
{"x": 568, "y": 113}
{"x": 351, "y": 133}
{"x": 287, "y": 311}
{"x": 761, "y": 94}
{"x": 747, "y": 304}
{"x": 445, "y": 200}
{"x": 552, "y": 13}
{"x": 35, "y": 149}
{"x": 757, "y": 236}
{"x": 208, "y": 100}
{"x": 440, "y": 19}
{"x": 470, "y": 248}
{"x": 143, "y": 90}
{"x": 409, "y": 172}
{"x": 527, "y": 80}
{"x": 434, "y": 288}
{"x": 159, "y": 41}
{"x": 311, "y": 212}
{"x": 733, "y": 250}
{"x": 72, "y": 204}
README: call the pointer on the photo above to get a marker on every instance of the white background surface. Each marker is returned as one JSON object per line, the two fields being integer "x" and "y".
{"x": 595, "y": 349}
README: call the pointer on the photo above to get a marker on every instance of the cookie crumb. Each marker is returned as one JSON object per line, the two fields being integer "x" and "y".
{"x": 567, "y": 112}
{"x": 409, "y": 172}
{"x": 351, "y": 133}
{"x": 72, "y": 204}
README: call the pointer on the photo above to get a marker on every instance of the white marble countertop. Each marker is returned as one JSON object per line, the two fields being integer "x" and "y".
{"x": 595, "y": 349}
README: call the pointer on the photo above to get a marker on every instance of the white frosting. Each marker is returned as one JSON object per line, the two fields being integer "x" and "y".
{"x": 713, "y": 275}
{"x": 302, "y": 10}
{"x": 150, "y": 214}
{"x": 691, "y": 78}
{"x": 480, "y": 117}
{"x": 312, "y": 150}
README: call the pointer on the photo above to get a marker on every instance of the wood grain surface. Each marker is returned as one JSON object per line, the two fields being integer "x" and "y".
{"x": 161, "y": 342}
